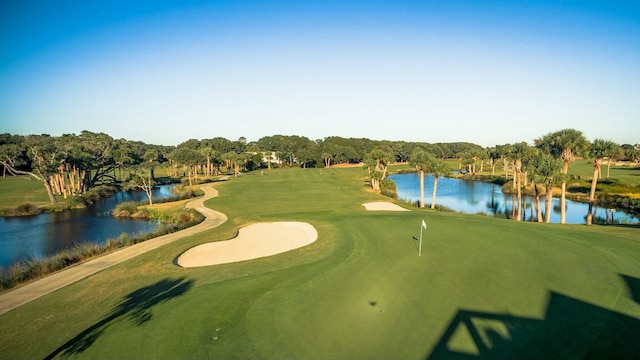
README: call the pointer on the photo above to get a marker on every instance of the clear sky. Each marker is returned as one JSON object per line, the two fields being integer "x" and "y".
{"x": 162, "y": 72}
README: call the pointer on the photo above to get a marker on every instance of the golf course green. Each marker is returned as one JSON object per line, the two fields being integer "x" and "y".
{"x": 483, "y": 287}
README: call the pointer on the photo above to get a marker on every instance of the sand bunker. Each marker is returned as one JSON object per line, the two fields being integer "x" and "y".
{"x": 254, "y": 241}
{"x": 383, "y": 206}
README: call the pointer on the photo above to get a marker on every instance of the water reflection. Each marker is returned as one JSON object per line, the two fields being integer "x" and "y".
{"x": 47, "y": 234}
{"x": 478, "y": 197}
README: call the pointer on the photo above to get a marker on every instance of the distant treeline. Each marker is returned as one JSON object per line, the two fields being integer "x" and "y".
{"x": 71, "y": 164}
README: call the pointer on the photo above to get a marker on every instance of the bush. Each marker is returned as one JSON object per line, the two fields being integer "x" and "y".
{"x": 97, "y": 193}
{"x": 26, "y": 209}
{"x": 388, "y": 188}
{"x": 11, "y": 276}
{"x": 35, "y": 267}
{"x": 125, "y": 209}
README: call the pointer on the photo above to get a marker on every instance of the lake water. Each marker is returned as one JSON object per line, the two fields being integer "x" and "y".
{"x": 48, "y": 233}
{"x": 474, "y": 197}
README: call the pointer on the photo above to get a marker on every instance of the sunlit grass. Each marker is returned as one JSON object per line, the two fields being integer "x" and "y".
{"x": 359, "y": 291}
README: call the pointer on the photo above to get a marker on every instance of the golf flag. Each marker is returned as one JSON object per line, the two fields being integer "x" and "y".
{"x": 424, "y": 224}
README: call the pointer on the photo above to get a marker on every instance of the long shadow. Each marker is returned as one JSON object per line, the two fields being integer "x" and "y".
{"x": 415, "y": 242}
{"x": 571, "y": 329}
{"x": 135, "y": 306}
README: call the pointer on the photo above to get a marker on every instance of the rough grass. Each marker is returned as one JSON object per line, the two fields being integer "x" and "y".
{"x": 26, "y": 209}
{"x": 359, "y": 291}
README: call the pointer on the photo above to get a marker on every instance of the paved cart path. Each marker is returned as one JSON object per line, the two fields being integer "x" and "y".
{"x": 24, "y": 294}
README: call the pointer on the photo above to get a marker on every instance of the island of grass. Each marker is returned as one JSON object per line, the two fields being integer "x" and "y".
{"x": 483, "y": 287}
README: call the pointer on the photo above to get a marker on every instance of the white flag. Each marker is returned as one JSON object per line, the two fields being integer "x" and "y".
{"x": 424, "y": 224}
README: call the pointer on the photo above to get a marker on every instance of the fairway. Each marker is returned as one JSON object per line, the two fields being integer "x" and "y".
{"x": 483, "y": 287}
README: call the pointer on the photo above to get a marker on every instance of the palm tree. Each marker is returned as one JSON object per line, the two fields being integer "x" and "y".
{"x": 377, "y": 162}
{"x": 613, "y": 152}
{"x": 421, "y": 160}
{"x": 439, "y": 168}
{"x": 564, "y": 145}
{"x": 545, "y": 169}
{"x": 599, "y": 149}
{"x": 516, "y": 153}
{"x": 208, "y": 153}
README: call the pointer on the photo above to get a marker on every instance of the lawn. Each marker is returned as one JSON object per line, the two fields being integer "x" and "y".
{"x": 18, "y": 190}
{"x": 483, "y": 286}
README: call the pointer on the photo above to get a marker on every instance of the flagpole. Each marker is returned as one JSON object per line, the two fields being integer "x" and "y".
{"x": 422, "y": 226}
{"x": 420, "y": 247}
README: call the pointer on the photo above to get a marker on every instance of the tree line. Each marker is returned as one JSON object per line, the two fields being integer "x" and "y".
{"x": 71, "y": 164}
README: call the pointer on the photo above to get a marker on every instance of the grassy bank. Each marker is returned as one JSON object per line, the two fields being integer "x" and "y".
{"x": 23, "y": 196}
{"x": 483, "y": 286}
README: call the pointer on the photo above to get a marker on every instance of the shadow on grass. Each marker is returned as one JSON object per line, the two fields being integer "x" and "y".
{"x": 136, "y": 307}
{"x": 571, "y": 329}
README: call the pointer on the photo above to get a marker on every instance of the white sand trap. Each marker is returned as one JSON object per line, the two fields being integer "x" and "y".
{"x": 254, "y": 241}
{"x": 383, "y": 206}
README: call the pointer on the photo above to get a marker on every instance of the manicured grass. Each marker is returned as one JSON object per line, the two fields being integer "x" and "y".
{"x": 18, "y": 190}
{"x": 360, "y": 291}
{"x": 627, "y": 174}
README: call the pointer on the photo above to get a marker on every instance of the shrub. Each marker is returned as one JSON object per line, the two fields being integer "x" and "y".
{"x": 25, "y": 209}
{"x": 125, "y": 209}
{"x": 11, "y": 276}
{"x": 388, "y": 188}
{"x": 35, "y": 267}
{"x": 185, "y": 217}
{"x": 124, "y": 239}
{"x": 443, "y": 208}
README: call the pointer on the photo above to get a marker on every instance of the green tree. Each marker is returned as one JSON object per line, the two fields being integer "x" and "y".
{"x": 123, "y": 155}
{"x": 565, "y": 145}
{"x": 188, "y": 158}
{"x": 545, "y": 169}
{"x": 143, "y": 182}
{"x": 421, "y": 160}
{"x": 151, "y": 157}
{"x": 40, "y": 153}
{"x": 376, "y": 162}
{"x": 439, "y": 168}
{"x": 613, "y": 152}
{"x": 232, "y": 161}
{"x": 631, "y": 153}
{"x": 599, "y": 149}
{"x": 516, "y": 153}
{"x": 208, "y": 153}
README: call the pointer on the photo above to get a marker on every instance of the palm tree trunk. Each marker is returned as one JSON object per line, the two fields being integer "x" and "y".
{"x": 547, "y": 202}
{"x": 435, "y": 189}
{"x": 421, "y": 188}
{"x": 563, "y": 195}
{"x": 519, "y": 212}
{"x": 592, "y": 194}
{"x": 563, "y": 203}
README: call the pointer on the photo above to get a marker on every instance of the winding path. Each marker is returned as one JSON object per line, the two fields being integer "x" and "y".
{"x": 24, "y": 294}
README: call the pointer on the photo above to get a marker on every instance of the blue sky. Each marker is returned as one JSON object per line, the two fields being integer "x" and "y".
{"x": 487, "y": 72}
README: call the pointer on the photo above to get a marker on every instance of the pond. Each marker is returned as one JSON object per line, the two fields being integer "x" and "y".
{"x": 43, "y": 235}
{"x": 474, "y": 197}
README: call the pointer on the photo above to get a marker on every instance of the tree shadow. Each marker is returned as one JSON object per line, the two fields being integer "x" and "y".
{"x": 570, "y": 329}
{"x": 136, "y": 307}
